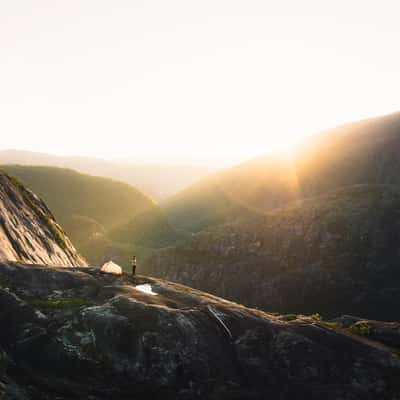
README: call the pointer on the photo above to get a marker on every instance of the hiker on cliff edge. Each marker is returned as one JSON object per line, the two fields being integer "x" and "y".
{"x": 134, "y": 265}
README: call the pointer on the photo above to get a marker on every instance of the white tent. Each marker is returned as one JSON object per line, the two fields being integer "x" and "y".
{"x": 111, "y": 268}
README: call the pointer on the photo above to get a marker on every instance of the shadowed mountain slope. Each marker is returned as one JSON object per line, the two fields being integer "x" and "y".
{"x": 332, "y": 254}
{"x": 28, "y": 230}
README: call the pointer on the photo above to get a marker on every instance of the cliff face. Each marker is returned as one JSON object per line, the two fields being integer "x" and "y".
{"x": 331, "y": 254}
{"x": 80, "y": 334}
{"x": 28, "y": 231}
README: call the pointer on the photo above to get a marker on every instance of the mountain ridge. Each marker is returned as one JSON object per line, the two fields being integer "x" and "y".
{"x": 158, "y": 181}
{"x": 355, "y": 153}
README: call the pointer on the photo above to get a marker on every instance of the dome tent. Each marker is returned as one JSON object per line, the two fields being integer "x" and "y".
{"x": 111, "y": 268}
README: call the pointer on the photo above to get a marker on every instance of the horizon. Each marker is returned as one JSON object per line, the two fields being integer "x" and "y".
{"x": 212, "y": 84}
{"x": 154, "y": 161}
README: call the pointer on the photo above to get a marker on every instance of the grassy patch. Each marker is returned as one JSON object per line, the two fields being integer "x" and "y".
{"x": 316, "y": 317}
{"x": 361, "y": 329}
{"x": 289, "y": 317}
{"x": 337, "y": 325}
{"x": 61, "y": 303}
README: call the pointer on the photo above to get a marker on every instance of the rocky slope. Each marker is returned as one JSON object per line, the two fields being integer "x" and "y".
{"x": 331, "y": 254}
{"x": 28, "y": 230}
{"x": 77, "y": 333}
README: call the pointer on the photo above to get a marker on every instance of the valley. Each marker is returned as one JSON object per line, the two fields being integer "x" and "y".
{"x": 301, "y": 252}
{"x": 105, "y": 219}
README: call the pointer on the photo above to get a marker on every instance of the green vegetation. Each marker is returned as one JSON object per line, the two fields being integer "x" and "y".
{"x": 105, "y": 219}
{"x": 336, "y": 325}
{"x": 157, "y": 180}
{"x": 61, "y": 303}
{"x": 289, "y": 317}
{"x": 360, "y": 328}
{"x": 200, "y": 207}
{"x": 67, "y": 193}
{"x": 293, "y": 317}
{"x": 147, "y": 229}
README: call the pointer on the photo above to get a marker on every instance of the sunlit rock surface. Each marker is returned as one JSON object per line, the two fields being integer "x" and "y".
{"x": 28, "y": 231}
{"x": 81, "y": 334}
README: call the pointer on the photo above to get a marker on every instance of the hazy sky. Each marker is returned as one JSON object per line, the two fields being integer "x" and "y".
{"x": 191, "y": 81}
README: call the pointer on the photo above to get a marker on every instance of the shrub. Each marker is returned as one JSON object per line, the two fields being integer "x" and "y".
{"x": 338, "y": 325}
{"x": 316, "y": 317}
{"x": 61, "y": 303}
{"x": 360, "y": 328}
{"x": 289, "y": 317}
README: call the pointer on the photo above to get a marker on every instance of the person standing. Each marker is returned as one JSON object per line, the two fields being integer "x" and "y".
{"x": 134, "y": 265}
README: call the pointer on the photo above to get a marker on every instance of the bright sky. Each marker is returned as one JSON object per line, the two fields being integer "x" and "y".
{"x": 200, "y": 81}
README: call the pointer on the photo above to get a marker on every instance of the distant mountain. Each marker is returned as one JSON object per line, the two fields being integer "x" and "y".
{"x": 324, "y": 234}
{"x": 158, "y": 181}
{"x": 249, "y": 189}
{"x": 28, "y": 230}
{"x": 105, "y": 219}
{"x": 358, "y": 153}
